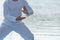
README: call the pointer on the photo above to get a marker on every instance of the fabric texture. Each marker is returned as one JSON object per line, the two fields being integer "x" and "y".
{"x": 11, "y": 11}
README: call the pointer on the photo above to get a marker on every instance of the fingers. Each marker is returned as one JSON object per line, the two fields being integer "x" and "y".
{"x": 20, "y": 18}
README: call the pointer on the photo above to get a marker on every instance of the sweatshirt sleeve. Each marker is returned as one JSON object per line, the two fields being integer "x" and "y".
{"x": 29, "y": 9}
{"x": 7, "y": 15}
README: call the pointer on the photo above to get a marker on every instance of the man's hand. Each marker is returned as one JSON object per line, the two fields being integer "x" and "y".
{"x": 25, "y": 10}
{"x": 20, "y": 18}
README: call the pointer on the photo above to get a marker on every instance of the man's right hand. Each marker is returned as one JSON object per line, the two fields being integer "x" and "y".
{"x": 20, "y": 18}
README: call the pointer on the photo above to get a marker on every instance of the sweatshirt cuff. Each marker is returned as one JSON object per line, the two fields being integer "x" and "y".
{"x": 30, "y": 12}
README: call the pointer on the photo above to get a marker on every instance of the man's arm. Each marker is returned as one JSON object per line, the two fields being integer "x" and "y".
{"x": 27, "y": 9}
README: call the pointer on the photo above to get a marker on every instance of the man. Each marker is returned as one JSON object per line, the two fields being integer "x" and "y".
{"x": 13, "y": 19}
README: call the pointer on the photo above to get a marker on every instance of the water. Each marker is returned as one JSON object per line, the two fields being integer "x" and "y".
{"x": 44, "y": 23}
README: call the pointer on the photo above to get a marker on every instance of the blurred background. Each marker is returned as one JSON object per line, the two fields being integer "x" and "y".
{"x": 44, "y": 23}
